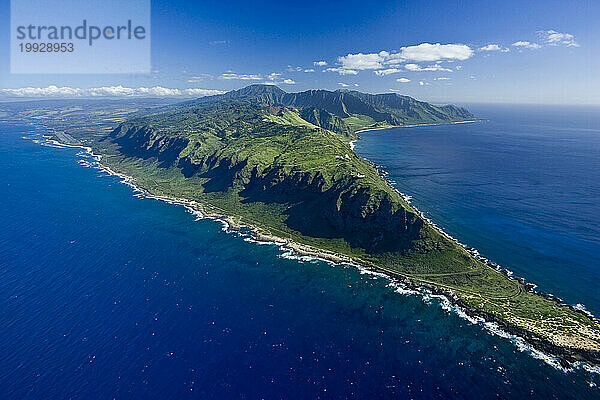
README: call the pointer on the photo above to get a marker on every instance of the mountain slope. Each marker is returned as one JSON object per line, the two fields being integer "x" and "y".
{"x": 281, "y": 164}
{"x": 234, "y": 146}
{"x": 346, "y": 111}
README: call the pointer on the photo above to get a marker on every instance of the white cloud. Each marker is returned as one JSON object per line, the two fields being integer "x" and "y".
{"x": 50, "y": 91}
{"x": 243, "y": 77}
{"x": 202, "y": 92}
{"x": 276, "y": 77}
{"x": 294, "y": 69}
{"x": 342, "y": 84}
{"x": 553, "y": 38}
{"x": 421, "y": 83}
{"x": 441, "y": 78}
{"x": 384, "y": 72}
{"x": 106, "y": 91}
{"x": 362, "y": 61}
{"x": 384, "y": 62}
{"x": 526, "y": 45}
{"x": 421, "y": 53}
{"x": 549, "y": 38}
{"x": 458, "y": 67}
{"x": 403, "y": 80}
{"x": 432, "y": 52}
{"x": 199, "y": 78}
{"x": 217, "y": 42}
{"x": 490, "y": 47}
{"x": 342, "y": 71}
{"x": 309, "y": 70}
{"x": 320, "y": 63}
{"x": 494, "y": 47}
{"x": 434, "y": 67}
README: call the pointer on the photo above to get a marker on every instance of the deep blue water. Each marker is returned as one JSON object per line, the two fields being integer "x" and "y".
{"x": 106, "y": 295}
{"x": 523, "y": 187}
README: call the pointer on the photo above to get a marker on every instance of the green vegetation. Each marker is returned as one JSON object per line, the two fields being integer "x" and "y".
{"x": 281, "y": 163}
{"x": 345, "y": 111}
{"x": 358, "y": 122}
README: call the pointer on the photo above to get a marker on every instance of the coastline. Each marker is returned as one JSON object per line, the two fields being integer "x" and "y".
{"x": 416, "y": 125}
{"x": 556, "y": 356}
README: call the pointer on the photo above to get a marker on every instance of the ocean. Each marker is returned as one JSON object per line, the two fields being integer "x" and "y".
{"x": 522, "y": 186}
{"x": 107, "y": 294}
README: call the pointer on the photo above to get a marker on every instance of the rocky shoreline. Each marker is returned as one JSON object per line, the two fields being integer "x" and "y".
{"x": 568, "y": 357}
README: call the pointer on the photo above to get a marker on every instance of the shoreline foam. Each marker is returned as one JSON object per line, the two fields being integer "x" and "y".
{"x": 301, "y": 253}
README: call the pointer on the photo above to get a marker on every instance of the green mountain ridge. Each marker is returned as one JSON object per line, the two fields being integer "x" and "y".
{"x": 366, "y": 110}
{"x": 235, "y": 147}
{"x": 273, "y": 147}
{"x": 281, "y": 163}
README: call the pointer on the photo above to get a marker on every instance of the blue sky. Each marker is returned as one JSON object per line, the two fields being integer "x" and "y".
{"x": 440, "y": 51}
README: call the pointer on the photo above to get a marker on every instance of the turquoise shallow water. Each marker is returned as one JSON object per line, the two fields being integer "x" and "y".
{"x": 104, "y": 294}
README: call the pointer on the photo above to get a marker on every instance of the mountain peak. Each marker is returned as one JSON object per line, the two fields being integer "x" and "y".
{"x": 259, "y": 88}
{"x": 332, "y": 107}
